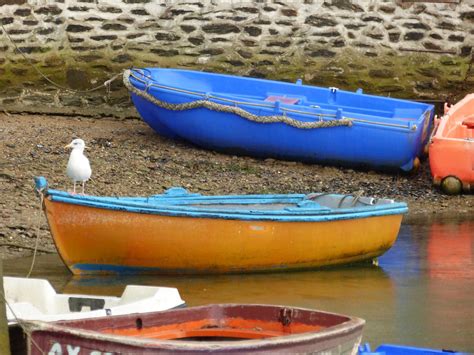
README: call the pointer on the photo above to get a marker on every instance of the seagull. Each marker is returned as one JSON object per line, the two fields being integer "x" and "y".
{"x": 78, "y": 167}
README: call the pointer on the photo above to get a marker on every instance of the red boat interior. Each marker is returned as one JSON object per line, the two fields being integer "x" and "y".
{"x": 231, "y": 328}
{"x": 215, "y": 323}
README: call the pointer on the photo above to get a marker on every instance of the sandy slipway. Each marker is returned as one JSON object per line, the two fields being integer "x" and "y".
{"x": 128, "y": 158}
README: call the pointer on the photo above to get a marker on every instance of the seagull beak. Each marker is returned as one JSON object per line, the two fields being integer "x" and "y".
{"x": 86, "y": 147}
{"x": 68, "y": 146}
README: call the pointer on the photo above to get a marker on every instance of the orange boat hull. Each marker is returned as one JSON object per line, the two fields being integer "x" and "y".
{"x": 95, "y": 240}
{"x": 451, "y": 151}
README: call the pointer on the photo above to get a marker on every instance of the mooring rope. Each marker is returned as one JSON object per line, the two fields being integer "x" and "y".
{"x": 105, "y": 84}
{"x": 41, "y": 196}
{"x": 214, "y": 106}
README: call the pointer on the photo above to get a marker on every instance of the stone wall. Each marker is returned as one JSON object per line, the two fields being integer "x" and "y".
{"x": 412, "y": 49}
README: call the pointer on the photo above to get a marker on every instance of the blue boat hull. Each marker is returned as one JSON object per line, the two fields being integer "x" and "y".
{"x": 375, "y": 138}
{"x": 390, "y": 349}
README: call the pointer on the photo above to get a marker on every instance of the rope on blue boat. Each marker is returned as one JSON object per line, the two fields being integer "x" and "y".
{"x": 343, "y": 121}
{"x": 214, "y": 106}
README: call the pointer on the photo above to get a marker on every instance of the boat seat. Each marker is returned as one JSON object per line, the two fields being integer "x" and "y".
{"x": 469, "y": 122}
{"x": 283, "y": 99}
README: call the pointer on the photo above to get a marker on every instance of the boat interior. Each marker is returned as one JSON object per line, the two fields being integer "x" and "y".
{"x": 218, "y": 323}
{"x": 45, "y": 300}
{"x": 311, "y": 203}
{"x": 459, "y": 121}
{"x": 310, "y": 99}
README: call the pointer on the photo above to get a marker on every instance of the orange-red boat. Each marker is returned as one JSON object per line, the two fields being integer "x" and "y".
{"x": 212, "y": 329}
{"x": 451, "y": 150}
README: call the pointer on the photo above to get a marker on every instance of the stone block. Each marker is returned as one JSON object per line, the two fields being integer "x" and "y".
{"x": 22, "y": 12}
{"x": 166, "y": 36}
{"x": 139, "y": 12}
{"x": 456, "y": 38}
{"x": 320, "y": 21}
{"x": 248, "y": 9}
{"x": 113, "y": 10}
{"x": 344, "y": 5}
{"x": 104, "y": 38}
{"x": 13, "y": 2}
{"x": 74, "y": 28}
{"x": 164, "y": 52}
{"x": 188, "y": 28}
{"x": 48, "y": 10}
{"x": 413, "y": 36}
{"x": 253, "y": 31}
{"x": 221, "y": 28}
{"x": 78, "y": 8}
{"x": 197, "y": 41}
{"x": 113, "y": 26}
{"x": 6, "y": 20}
{"x": 325, "y": 53}
{"x": 45, "y": 31}
{"x": 289, "y": 12}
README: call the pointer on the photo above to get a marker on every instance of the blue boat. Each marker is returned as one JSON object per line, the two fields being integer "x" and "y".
{"x": 390, "y": 349}
{"x": 265, "y": 118}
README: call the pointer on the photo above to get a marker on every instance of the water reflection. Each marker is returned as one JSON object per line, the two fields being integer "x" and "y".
{"x": 432, "y": 269}
{"x": 450, "y": 251}
{"x": 420, "y": 294}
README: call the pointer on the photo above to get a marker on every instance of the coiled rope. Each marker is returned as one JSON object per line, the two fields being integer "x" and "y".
{"x": 214, "y": 106}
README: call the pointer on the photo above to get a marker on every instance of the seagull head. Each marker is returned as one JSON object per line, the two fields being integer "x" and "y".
{"x": 77, "y": 144}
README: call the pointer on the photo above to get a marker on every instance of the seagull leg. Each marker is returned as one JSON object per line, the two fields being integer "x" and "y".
{"x": 83, "y": 183}
{"x": 74, "y": 191}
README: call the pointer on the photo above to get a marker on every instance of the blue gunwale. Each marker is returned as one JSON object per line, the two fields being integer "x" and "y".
{"x": 184, "y": 205}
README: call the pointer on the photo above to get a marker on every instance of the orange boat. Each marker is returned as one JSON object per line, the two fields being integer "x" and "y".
{"x": 451, "y": 150}
{"x": 182, "y": 233}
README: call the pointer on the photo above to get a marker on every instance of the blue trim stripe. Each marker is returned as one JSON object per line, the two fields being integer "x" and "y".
{"x": 295, "y": 208}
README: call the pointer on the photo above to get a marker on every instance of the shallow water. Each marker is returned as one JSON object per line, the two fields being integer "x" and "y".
{"x": 420, "y": 294}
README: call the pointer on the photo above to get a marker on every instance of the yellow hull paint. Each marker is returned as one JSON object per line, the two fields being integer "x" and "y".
{"x": 167, "y": 244}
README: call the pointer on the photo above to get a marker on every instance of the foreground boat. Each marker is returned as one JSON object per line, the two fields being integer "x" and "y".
{"x": 179, "y": 232}
{"x": 451, "y": 151}
{"x": 36, "y": 299}
{"x": 223, "y": 329}
{"x": 266, "y": 118}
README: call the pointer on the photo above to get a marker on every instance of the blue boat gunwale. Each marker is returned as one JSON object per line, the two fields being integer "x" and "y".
{"x": 180, "y": 206}
{"x": 365, "y": 119}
